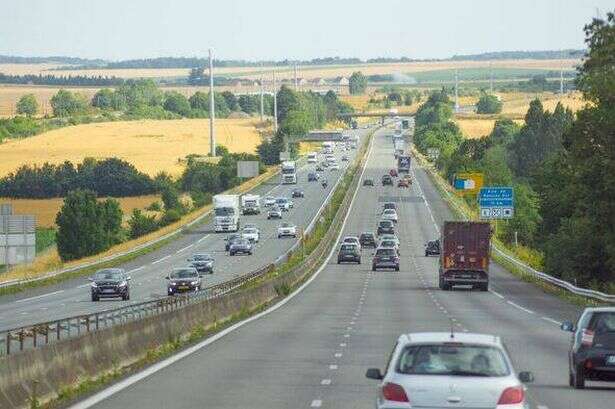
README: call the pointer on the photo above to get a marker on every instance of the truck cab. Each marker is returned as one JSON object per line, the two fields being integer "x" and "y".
{"x": 226, "y": 213}
{"x": 250, "y": 204}
{"x": 289, "y": 172}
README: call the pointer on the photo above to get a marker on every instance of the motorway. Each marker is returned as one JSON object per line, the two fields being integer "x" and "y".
{"x": 72, "y": 297}
{"x": 313, "y": 350}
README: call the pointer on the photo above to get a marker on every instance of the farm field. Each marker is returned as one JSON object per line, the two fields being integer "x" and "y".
{"x": 46, "y": 210}
{"x": 10, "y": 94}
{"x": 152, "y": 146}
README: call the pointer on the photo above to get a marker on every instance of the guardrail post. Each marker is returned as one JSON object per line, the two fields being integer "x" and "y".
{"x": 57, "y": 330}
{"x": 8, "y": 343}
{"x": 21, "y": 337}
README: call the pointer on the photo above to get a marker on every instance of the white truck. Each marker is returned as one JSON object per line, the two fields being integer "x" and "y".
{"x": 328, "y": 147}
{"x": 312, "y": 157}
{"x": 250, "y": 204}
{"x": 289, "y": 173}
{"x": 226, "y": 213}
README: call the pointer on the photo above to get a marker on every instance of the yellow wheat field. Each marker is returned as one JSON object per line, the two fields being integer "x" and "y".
{"x": 46, "y": 210}
{"x": 10, "y": 94}
{"x": 152, "y": 146}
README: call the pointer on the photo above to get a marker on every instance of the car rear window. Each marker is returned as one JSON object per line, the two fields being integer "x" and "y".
{"x": 603, "y": 322}
{"x": 385, "y": 252}
{"x": 348, "y": 247}
{"x": 186, "y": 273}
{"x": 453, "y": 360}
{"x": 386, "y": 223}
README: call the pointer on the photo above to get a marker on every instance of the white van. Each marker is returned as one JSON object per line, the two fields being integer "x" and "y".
{"x": 312, "y": 157}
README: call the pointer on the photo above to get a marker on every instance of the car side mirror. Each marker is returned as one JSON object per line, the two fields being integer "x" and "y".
{"x": 374, "y": 373}
{"x": 90, "y": 279}
{"x": 167, "y": 278}
{"x": 567, "y": 326}
{"x": 526, "y": 377}
{"x": 128, "y": 278}
{"x": 201, "y": 275}
{"x": 189, "y": 260}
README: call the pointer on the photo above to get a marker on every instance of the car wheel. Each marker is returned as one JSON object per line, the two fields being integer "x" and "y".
{"x": 484, "y": 287}
{"x": 373, "y": 268}
{"x": 579, "y": 378}
{"x": 359, "y": 261}
{"x": 231, "y": 254}
{"x": 95, "y": 298}
{"x": 169, "y": 293}
{"x": 397, "y": 268}
{"x": 126, "y": 297}
{"x": 249, "y": 253}
{"x": 570, "y": 379}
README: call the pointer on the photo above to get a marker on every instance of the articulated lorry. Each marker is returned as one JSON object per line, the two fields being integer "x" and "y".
{"x": 289, "y": 172}
{"x": 464, "y": 258}
{"x": 226, "y": 213}
{"x": 250, "y": 204}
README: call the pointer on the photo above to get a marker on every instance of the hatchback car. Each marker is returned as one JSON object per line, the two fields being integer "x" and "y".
{"x": 231, "y": 239}
{"x": 432, "y": 248}
{"x": 287, "y": 230}
{"x": 251, "y": 233}
{"x": 274, "y": 213}
{"x": 446, "y": 370}
{"x": 319, "y": 168}
{"x": 390, "y": 244}
{"x": 242, "y": 246}
{"x": 403, "y": 183}
{"x": 392, "y": 237}
{"x": 297, "y": 193}
{"x": 110, "y": 283}
{"x": 367, "y": 240}
{"x": 313, "y": 176}
{"x": 389, "y": 214}
{"x": 269, "y": 201}
{"x": 349, "y": 252}
{"x": 385, "y": 258}
{"x": 352, "y": 240}
{"x": 386, "y": 227}
{"x": 368, "y": 182}
{"x": 204, "y": 263}
{"x": 344, "y": 158}
{"x": 334, "y": 166}
{"x": 182, "y": 280}
{"x": 387, "y": 180}
{"x": 592, "y": 347}
{"x": 284, "y": 204}
{"x": 389, "y": 205}
{"x": 393, "y": 172}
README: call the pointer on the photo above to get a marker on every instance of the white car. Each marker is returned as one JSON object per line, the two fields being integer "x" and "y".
{"x": 287, "y": 230}
{"x": 251, "y": 233}
{"x": 390, "y": 244}
{"x": 352, "y": 240}
{"x": 391, "y": 237}
{"x": 446, "y": 370}
{"x": 389, "y": 214}
{"x": 269, "y": 201}
{"x": 284, "y": 203}
{"x": 334, "y": 166}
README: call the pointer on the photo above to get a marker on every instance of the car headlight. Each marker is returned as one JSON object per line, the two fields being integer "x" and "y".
{"x": 194, "y": 282}
{"x": 173, "y": 283}
{"x": 94, "y": 285}
{"x": 122, "y": 284}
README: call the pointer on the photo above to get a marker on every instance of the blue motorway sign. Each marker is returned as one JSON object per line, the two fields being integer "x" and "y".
{"x": 496, "y": 202}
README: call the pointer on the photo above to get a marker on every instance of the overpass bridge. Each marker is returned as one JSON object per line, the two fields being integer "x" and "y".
{"x": 381, "y": 115}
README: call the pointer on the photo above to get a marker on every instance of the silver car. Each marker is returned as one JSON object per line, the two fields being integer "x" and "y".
{"x": 446, "y": 370}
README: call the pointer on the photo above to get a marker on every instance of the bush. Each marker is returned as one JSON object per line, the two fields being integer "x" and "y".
{"x": 170, "y": 216}
{"x": 489, "y": 104}
{"x": 66, "y": 103}
{"x": 200, "y": 199}
{"x": 154, "y": 207}
{"x": 141, "y": 224}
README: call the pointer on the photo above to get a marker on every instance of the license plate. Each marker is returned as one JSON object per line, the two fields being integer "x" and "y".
{"x": 107, "y": 291}
{"x": 183, "y": 287}
{"x": 610, "y": 360}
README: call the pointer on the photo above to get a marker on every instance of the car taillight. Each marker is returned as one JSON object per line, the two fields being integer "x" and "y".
{"x": 587, "y": 338}
{"x": 394, "y": 392}
{"x": 512, "y": 395}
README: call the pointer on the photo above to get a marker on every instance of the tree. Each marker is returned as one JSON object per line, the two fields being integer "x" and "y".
{"x": 504, "y": 132}
{"x": 357, "y": 83}
{"x": 395, "y": 97}
{"x": 66, "y": 103}
{"x": 248, "y": 103}
{"x": 287, "y": 100}
{"x": 27, "y": 105}
{"x": 231, "y": 100}
{"x": 103, "y": 99}
{"x": 297, "y": 124}
{"x": 141, "y": 224}
{"x": 141, "y": 93}
{"x": 488, "y": 104}
{"x": 85, "y": 226}
{"x": 177, "y": 103}
{"x": 199, "y": 101}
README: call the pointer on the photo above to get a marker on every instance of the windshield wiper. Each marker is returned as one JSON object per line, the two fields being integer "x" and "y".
{"x": 467, "y": 373}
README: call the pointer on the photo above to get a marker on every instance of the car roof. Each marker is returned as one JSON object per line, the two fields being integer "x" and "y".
{"x": 600, "y": 309}
{"x": 441, "y": 337}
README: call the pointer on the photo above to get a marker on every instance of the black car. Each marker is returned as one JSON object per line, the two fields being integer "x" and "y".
{"x": 386, "y": 227}
{"x": 368, "y": 240}
{"x": 110, "y": 283}
{"x": 297, "y": 193}
{"x": 204, "y": 263}
{"x": 385, "y": 258}
{"x": 592, "y": 347}
{"x": 183, "y": 280}
{"x": 368, "y": 182}
{"x": 319, "y": 168}
{"x": 432, "y": 248}
{"x": 313, "y": 177}
{"x": 230, "y": 240}
{"x": 387, "y": 180}
{"x": 241, "y": 246}
{"x": 349, "y": 253}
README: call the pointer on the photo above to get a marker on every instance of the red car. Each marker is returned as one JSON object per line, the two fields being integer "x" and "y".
{"x": 403, "y": 183}
{"x": 393, "y": 172}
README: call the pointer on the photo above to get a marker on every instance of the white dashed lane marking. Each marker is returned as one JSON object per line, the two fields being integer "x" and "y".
{"x": 316, "y": 403}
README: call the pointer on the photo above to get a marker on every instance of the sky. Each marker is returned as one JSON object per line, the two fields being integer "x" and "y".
{"x": 278, "y": 29}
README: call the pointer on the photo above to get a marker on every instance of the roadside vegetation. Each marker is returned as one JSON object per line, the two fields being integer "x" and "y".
{"x": 559, "y": 164}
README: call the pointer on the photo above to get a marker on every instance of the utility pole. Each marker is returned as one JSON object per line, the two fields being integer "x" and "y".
{"x": 262, "y": 96}
{"x": 275, "y": 104}
{"x": 212, "y": 107}
{"x": 456, "y": 90}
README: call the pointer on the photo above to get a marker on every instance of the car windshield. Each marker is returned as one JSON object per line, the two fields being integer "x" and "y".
{"x": 202, "y": 257}
{"x": 350, "y": 240}
{"x": 108, "y": 275}
{"x": 452, "y": 359}
{"x": 249, "y": 230}
{"x": 367, "y": 236}
{"x": 225, "y": 211}
{"x": 385, "y": 252}
{"x": 184, "y": 273}
{"x": 387, "y": 243}
{"x": 386, "y": 223}
{"x": 281, "y": 200}
{"x": 348, "y": 247}
{"x": 241, "y": 242}
{"x": 389, "y": 211}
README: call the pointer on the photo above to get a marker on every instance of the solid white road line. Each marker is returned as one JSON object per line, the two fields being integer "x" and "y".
{"x": 41, "y": 296}
{"x": 131, "y": 380}
{"x": 333, "y": 367}
{"x": 552, "y": 320}
{"x": 496, "y": 294}
{"x": 325, "y": 382}
{"x": 316, "y": 403}
{"x": 184, "y": 249}
{"x": 520, "y": 307}
{"x": 134, "y": 270}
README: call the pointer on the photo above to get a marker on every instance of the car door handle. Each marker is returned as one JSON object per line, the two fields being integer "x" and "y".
{"x": 453, "y": 399}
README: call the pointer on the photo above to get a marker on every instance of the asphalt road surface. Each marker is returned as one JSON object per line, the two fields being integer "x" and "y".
{"x": 313, "y": 351}
{"x": 72, "y": 297}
